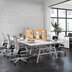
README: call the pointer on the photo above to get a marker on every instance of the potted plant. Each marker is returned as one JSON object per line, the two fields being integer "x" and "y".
{"x": 57, "y": 28}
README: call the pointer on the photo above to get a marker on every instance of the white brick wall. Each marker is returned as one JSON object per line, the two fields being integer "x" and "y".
{"x": 16, "y": 15}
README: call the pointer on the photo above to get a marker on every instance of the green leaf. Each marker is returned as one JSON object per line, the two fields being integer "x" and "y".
{"x": 57, "y": 28}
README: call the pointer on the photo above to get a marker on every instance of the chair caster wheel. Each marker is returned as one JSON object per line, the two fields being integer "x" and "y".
{"x": 4, "y": 55}
{"x": 52, "y": 54}
{"x": 7, "y": 56}
{"x": 27, "y": 59}
{"x": 64, "y": 54}
{"x": 58, "y": 54}
{"x": 0, "y": 51}
{"x": 25, "y": 62}
{"x": 16, "y": 55}
{"x": 14, "y": 64}
{"x": 11, "y": 61}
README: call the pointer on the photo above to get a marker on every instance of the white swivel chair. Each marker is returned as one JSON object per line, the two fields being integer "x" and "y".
{"x": 59, "y": 46}
{"x": 3, "y": 43}
{"x": 9, "y": 41}
{"x": 16, "y": 50}
{"x": 10, "y": 46}
{"x": 60, "y": 51}
{"x": 4, "y": 40}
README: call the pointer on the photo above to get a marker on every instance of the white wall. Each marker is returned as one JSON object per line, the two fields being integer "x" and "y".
{"x": 16, "y": 15}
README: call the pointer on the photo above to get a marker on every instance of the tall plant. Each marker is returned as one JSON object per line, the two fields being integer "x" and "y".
{"x": 57, "y": 28}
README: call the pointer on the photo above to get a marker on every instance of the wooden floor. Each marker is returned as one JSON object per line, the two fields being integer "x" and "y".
{"x": 46, "y": 64}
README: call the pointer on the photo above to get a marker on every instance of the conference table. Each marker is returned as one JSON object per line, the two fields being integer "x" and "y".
{"x": 39, "y": 44}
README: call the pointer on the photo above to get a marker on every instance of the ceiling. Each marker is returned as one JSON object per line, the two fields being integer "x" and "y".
{"x": 65, "y": 5}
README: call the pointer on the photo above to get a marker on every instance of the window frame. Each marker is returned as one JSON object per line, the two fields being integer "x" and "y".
{"x": 66, "y": 18}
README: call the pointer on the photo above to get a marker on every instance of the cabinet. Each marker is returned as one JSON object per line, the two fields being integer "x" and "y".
{"x": 70, "y": 43}
{"x": 65, "y": 41}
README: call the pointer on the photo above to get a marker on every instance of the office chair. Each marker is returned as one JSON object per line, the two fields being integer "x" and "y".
{"x": 18, "y": 52}
{"x": 59, "y": 49}
{"x": 3, "y": 43}
{"x": 10, "y": 47}
{"x": 58, "y": 46}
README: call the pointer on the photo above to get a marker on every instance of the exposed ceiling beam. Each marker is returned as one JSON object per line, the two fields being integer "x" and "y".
{"x": 59, "y": 3}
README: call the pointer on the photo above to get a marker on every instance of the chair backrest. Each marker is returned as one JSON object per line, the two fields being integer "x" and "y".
{"x": 8, "y": 41}
{"x": 26, "y": 48}
{"x": 55, "y": 38}
{"x": 3, "y": 37}
{"x": 1, "y": 40}
{"x": 16, "y": 43}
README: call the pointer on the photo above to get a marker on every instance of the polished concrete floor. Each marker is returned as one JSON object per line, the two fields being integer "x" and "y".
{"x": 46, "y": 64}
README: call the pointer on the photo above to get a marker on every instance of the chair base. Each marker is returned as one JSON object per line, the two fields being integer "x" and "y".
{"x": 15, "y": 60}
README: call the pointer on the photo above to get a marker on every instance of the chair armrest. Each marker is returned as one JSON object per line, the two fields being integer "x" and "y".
{"x": 12, "y": 47}
{"x": 22, "y": 50}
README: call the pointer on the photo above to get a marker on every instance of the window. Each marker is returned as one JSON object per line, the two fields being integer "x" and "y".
{"x": 69, "y": 14}
{"x": 62, "y": 23}
{"x": 53, "y": 12}
{"x": 61, "y": 13}
{"x": 64, "y": 18}
{"x": 53, "y": 20}
{"x": 69, "y": 24}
